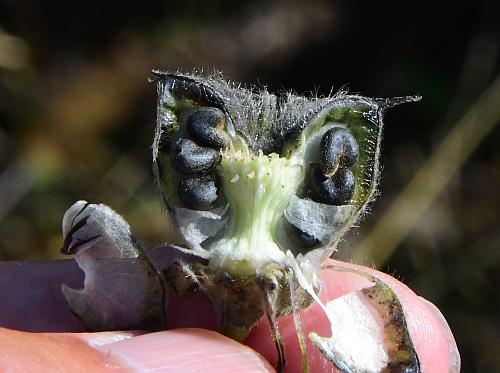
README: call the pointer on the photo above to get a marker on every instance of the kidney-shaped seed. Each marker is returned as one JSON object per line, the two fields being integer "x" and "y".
{"x": 338, "y": 149}
{"x": 189, "y": 158}
{"x": 206, "y": 127}
{"x": 198, "y": 192}
{"x": 335, "y": 190}
{"x": 301, "y": 238}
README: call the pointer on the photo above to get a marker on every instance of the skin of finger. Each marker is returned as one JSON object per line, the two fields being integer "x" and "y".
{"x": 183, "y": 350}
{"x": 186, "y": 350}
{"x": 51, "y": 352}
{"x": 455, "y": 361}
{"x": 431, "y": 340}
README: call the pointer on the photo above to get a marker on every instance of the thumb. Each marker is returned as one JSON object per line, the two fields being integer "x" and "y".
{"x": 185, "y": 350}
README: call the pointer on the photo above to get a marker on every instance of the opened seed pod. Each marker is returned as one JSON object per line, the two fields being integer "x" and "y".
{"x": 261, "y": 189}
{"x": 294, "y": 175}
{"x": 293, "y": 172}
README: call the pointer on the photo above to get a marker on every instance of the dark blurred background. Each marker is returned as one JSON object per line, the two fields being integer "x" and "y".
{"x": 77, "y": 118}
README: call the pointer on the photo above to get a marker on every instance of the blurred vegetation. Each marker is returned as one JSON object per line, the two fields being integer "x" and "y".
{"x": 77, "y": 117}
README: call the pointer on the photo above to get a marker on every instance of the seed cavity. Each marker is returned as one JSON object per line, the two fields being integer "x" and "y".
{"x": 338, "y": 149}
{"x": 206, "y": 127}
{"x": 198, "y": 192}
{"x": 189, "y": 158}
{"x": 335, "y": 190}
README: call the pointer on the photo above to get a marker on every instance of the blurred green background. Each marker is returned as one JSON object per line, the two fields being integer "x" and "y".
{"x": 77, "y": 118}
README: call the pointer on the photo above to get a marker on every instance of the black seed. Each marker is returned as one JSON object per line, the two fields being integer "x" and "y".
{"x": 189, "y": 158}
{"x": 191, "y": 89}
{"x": 338, "y": 149}
{"x": 335, "y": 190}
{"x": 198, "y": 192}
{"x": 300, "y": 238}
{"x": 206, "y": 127}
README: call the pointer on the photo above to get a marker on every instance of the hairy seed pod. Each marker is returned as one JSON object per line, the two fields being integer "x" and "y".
{"x": 189, "y": 158}
{"x": 206, "y": 127}
{"x": 198, "y": 192}
{"x": 338, "y": 149}
{"x": 335, "y": 190}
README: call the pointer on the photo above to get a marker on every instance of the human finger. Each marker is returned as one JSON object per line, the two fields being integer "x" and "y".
{"x": 186, "y": 350}
{"x": 428, "y": 331}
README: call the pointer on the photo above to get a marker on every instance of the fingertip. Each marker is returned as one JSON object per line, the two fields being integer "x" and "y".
{"x": 428, "y": 330}
{"x": 186, "y": 350}
{"x": 453, "y": 353}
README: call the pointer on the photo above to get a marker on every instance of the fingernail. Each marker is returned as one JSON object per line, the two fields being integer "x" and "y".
{"x": 186, "y": 350}
{"x": 454, "y": 355}
{"x": 95, "y": 340}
